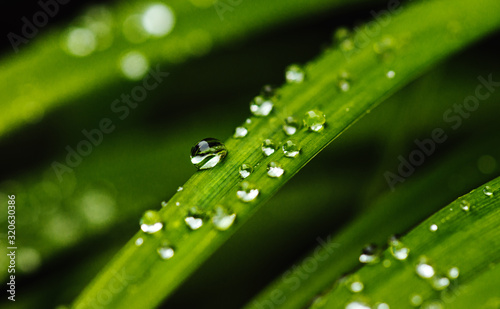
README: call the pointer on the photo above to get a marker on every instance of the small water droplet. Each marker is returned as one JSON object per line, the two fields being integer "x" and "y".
{"x": 390, "y": 74}
{"x": 177, "y": 204}
{"x": 80, "y": 42}
{"x": 248, "y": 121}
{"x": 139, "y": 241}
{"x": 433, "y": 228}
{"x": 274, "y": 170}
{"x": 180, "y": 189}
{"x": 424, "y": 270}
{"x": 158, "y": 20}
{"x": 291, "y": 125}
{"x": 343, "y": 82}
{"x": 268, "y": 147}
{"x": 416, "y": 300}
{"x": 247, "y": 192}
{"x": 357, "y": 305}
{"x": 453, "y": 273}
{"x": 151, "y": 222}
{"x": 369, "y": 255}
{"x": 164, "y": 204}
{"x": 294, "y": 74}
{"x": 194, "y": 219}
{"x": 382, "y": 306}
{"x": 165, "y": 251}
{"x": 261, "y": 106}
{"x": 488, "y": 191}
{"x": 290, "y": 149}
{"x": 465, "y": 205}
{"x": 440, "y": 283}
{"x": 207, "y": 153}
{"x": 398, "y": 249}
{"x": 245, "y": 170}
{"x": 222, "y": 218}
{"x": 240, "y": 132}
{"x": 315, "y": 120}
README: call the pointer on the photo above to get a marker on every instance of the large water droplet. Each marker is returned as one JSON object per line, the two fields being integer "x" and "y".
{"x": 488, "y": 191}
{"x": 245, "y": 170}
{"x": 424, "y": 270}
{"x": 290, "y": 149}
{"x": 274, "y": 170}
{"x": 151, "y": 222}
{"x": 208, "y": 153}
{"x": 158, "y": 20}
{"x": 240, "y": 132}
{"x": 268, "y": 147}
{"x": 369, "y": 255}
{"x": 194, "y": 219}
{"x": 261, "y": 106}
{"x": 398, "y": 249}
{"x": 465, "y": 205}
{"x": 247, "y": 192}
{"x": 222, "y": 218}
{"x": 291, "y": 125}
{"x": 314, "y": 120}
{"x": 294, "y": 74}
{"x": 165, "y": 251}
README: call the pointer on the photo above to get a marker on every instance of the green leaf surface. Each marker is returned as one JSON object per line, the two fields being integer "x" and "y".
{"x": 417, "y": 46}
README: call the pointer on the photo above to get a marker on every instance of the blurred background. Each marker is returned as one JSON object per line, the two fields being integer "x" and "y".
{"x": 65, "y": 79}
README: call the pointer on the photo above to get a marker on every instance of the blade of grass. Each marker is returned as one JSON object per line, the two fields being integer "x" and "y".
{"x": 468, "y": 240}
{"x": 152, "y": 279}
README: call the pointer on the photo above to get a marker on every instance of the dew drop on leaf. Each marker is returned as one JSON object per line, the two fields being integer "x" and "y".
{"x": 274, "y": 170}
{"x": 294, "y": 74}
{"x": 290, "y": 149}
{"x": 390, "y": 74}
{"x": 207, "y": 153}
{"x": 151, "y": 222}
{"x": 240, "y": 132}
{"x": 382, "y": 306}
{"x": 343, "y": 82}
{"x": 165, "y": 251}
{"x": 315, "y": 120}
{"x": 139, "y": 241}
{"x": 180, "y": 189}
{"x": 433, "y": 228}
{"x": 398, "y": 250}
{"x": 261, "y": 106}
{"x": 194, "y": 218}
{"x": 440, "y": 283}
{"x": 453, "y": 273}
{"x": 424, "y": 270}
{"x": 291, "y": 125}
{"x": 369, "y": 255}
{"x": 268, "y": 147}
{"x": 416, "y": 300}
{"x": 465, "y": 205}
{"x": 222, "y": 218}
{"x": 357, "y": 305}
{"x": 245, "y": 170}
{"x": 247, "y": 192}
{"x": 488, "y": 191}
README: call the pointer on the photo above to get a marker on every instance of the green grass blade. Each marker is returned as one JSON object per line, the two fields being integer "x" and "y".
{"x": 150, "y": 279}
{"x": 467, "y": 240}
